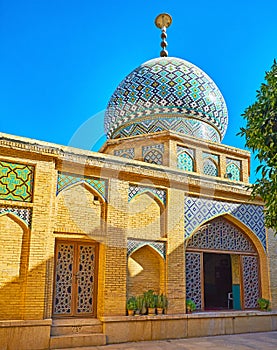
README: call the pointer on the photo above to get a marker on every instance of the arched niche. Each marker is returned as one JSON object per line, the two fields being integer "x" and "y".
{"x": 14, "y": 236}
{"x": 146, "y": 270}
{"x": 80, "y": 209}
{"x": 146, "y": 217}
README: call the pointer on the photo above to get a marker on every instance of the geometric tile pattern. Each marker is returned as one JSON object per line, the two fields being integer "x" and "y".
{"x": 161, "y": 121}
{"x": 210, "y": 164}
{"x": 193, "y": 278}
{"x": 219, "y": 234}
{"x": 210, "y": 168}
{"x": 153, "y": 154}
{"x": 174, "y": 85}
{"x": 125, "y": 153}
{"x": 133, "y": 245}
{"x": 189, "y": 151}
{"x": 135, "y": 190}
{"x": 16, "y": 181}
{"x": 214, "y": 157}
{"x": 66, "y": 179}
{"x": 250, "y": 268}
{"x": 198, "y": 210}
{"x": 185, "y": 158}
{"x": 233, "y": 169}
{"x": 24, "y": 214}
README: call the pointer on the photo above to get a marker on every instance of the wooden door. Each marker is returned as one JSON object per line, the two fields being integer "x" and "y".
{"x": 75, "y": 279}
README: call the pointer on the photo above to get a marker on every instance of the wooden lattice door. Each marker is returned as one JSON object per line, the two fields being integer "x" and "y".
{"x": 75, "y": 279}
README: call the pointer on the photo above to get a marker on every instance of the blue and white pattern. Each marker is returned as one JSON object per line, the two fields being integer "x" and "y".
{"x": 135, "y": 190}
{"x": 24, "y": 214}
{"x": 199, "y": 210}
{"x": 162, "y": 91}
{"x": 153, "y": 154}
{"x": 125, "y": 153}
{"x": 133, "y": 244}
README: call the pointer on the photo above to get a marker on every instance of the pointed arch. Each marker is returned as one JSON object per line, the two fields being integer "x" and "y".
{"x": 154, "y": 156}
{"x": 87, "y": 185}
{"x": 185, "y": 161}
{"x": 17, "y": 219}
{"x": 234, "y": 244}
{"x": 146, "y": 216}
{"x": 210, "y": 167}
{"x": 80, "y": 208}
{"x": 146, "y": 270}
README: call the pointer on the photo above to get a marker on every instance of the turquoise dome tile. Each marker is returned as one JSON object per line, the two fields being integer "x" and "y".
{"x": 167, "y": 93}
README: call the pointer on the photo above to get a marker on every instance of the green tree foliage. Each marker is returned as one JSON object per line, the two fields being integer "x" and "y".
{"x": 261, "y": 137}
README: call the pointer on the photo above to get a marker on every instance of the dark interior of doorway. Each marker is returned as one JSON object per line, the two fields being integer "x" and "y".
{"x": 217, "y": 280}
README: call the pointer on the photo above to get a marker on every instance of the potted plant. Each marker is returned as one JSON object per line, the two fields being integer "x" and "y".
{"x": 141, "y": 308}
{"x": 190, "y": 306}
{"x": 162, "y": 303}
{"x": 263, "y": 304}
{"x": 131, "y": 305}
{"x": 150, "y": 301}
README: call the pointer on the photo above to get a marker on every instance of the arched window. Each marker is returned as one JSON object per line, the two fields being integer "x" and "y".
{"x": 185, "y": 162}
{"x": 233, "y": 172}
{"x": 154, "y": 156}
{"x": 209, "y": 167}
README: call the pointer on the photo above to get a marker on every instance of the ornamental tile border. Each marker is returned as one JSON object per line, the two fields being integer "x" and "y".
{"x": 135, "y": 190}
{"x": 159, "y": 147}
{"x": 24, "y": 214}
{"x": 133, "y": 245}
{"x": 66, "y": 179}
{"x": 125, "y": 153}
{"x": 199, "y": 210}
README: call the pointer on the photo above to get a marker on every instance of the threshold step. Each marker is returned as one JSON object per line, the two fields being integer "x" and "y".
{"x": 77, "y": 340}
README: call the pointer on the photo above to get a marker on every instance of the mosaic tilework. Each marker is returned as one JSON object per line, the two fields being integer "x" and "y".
{"x": 153, "y": 154}
{"x": 160, "y": 121}
{"x": 24, "y": 214}
{"x": 250, "y": 281}
{"x": 168, "y": 83}
{"x": 193, "y": 278}
{"x": 133, "y": 245}
{"x": 198, "y": 210}
{"x": 219, "y": 234}
{"x": 125, "y": 153}
{"x": 16, "y": 181}
{"x": 233, "y": 169}
{"x": 210, "y": 164}
{"x": 135, "y": 190}
{"x": 210, "y": 168}
{"x": 66, "y": 179}
{"x": 185, "y": 158}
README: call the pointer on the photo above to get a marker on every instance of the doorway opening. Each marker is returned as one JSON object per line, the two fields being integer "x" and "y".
{"x": 217, "y": 281}
{"x": 75, "y": 279}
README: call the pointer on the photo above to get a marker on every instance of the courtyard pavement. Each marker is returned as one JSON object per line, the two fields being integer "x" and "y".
{"x": 253, "y": 341}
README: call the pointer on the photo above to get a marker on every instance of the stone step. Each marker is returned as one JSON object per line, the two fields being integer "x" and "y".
{"x": 76, "y": 326}
{"x": 77, "y": 341}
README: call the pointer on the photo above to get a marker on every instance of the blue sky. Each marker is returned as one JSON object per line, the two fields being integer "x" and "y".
{"x": 61, "y": 60}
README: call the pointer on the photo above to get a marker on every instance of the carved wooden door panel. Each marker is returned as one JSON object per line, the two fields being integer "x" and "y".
{"x": 75, "y": 279}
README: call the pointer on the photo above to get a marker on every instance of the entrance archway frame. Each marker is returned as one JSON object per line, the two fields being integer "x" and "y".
{"x": 261, "y": 253}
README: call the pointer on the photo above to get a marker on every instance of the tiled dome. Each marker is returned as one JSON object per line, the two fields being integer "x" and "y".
{"x": 167, "y": 93}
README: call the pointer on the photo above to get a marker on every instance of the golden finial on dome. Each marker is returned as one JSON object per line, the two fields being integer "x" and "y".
{"x": 163, "y": 21}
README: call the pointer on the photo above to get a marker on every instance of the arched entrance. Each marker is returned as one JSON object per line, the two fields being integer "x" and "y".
{"x": 222, "y": 267}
